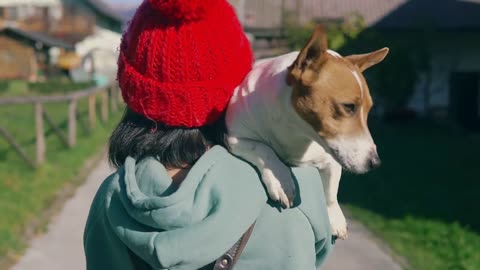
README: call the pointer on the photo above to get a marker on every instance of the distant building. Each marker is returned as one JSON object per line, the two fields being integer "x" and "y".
{"x": 88, "y": 28}
{"x": 450, "y": 89}
{"x": 99, "y": 50}
{"x": 102, "y": 14}
{"x": 23, "y": 55}
{"x": 31, "y": 15}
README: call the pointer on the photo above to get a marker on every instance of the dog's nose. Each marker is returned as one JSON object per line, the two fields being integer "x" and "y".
{"x": 374, "y": 162}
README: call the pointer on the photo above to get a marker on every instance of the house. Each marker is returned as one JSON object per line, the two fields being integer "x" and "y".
{"x": 84, "y": 29}
{"x": 451, "y": 86}
{"x": 105, "y": 17}
{"x": 30, "y": 15}
{"x": 448, "y": 31}
{"x": 98, "y": 50}
{"x": 25, "y": 55}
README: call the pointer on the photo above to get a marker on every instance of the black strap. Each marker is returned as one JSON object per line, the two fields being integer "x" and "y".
{"x": 229, "y": 259}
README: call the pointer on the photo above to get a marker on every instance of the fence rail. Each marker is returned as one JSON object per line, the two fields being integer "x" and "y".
{"x": 109, "y": 101}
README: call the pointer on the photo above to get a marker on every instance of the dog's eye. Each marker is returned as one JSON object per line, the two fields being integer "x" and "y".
{"x": 350, "y": 108}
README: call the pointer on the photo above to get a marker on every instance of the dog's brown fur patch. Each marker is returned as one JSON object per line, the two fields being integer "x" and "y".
{"x": 325, "y": 91}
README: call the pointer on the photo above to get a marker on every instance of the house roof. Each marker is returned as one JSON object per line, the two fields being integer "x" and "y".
{"x": 444, "y": 14}
{"x": 400, "y": 14}
{"x": 371, "y": 10}
{"x": 102, "y": 8}
{"x": 267, "y": 13}
{"x": 440, "y": 14}
{"x": 46, "y": 40}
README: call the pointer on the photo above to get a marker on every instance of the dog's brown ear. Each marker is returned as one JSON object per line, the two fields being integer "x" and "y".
{"x": 367, "y": 60}
{"x": 311, "y": 56}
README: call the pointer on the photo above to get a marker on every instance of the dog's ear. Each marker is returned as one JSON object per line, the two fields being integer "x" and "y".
{"x": 311, "y": 57}
{"x": 365, "y": 61}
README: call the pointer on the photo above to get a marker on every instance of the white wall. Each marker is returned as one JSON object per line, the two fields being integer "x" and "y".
{"x": 36, "y": 3}
{"x": 100, "y": 52}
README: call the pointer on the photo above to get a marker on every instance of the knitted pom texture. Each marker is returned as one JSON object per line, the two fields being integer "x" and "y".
{"x": 183, "y": 74}
{"x": 185, "y": 10}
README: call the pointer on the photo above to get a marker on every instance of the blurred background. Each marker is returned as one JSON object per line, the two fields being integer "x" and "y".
{"x": 58, "y": 103}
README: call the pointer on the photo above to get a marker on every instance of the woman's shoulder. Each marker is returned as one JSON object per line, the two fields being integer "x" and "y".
{"x": 222, "y": 162}
{"x": 101, "y": 200}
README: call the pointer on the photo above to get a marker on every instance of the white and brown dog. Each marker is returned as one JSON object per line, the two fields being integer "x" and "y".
{"x": 310, "y": 113}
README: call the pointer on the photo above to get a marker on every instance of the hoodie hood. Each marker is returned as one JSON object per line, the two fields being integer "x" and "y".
{"x": 188, "y": 227}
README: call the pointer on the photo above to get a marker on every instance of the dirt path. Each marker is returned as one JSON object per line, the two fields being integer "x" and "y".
{"x": 62, "y": 247}
{"x": 359, "y": 252}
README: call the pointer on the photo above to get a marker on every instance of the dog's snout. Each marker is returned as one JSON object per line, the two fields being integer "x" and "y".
{"x": 374, "y": 161}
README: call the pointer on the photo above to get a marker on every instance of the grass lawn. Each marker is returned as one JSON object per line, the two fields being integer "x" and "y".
{"x": 25, "y": 193}
{"x": 424, "y": 199}
{"x": 51, "y": 86}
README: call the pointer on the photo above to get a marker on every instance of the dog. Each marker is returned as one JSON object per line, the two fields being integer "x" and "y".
{"x": 310, "y": 113}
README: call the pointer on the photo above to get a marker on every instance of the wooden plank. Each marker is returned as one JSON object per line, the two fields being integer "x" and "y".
{"x": 56, "y": 129}
{"x": 72, "y": 123}
{"x": 39, "y": 134}
{"x": 91, "y": 112}
{"x": 49, "y": 99}
{"x": 11, "y": 140}
{"x": 104, "y": 108}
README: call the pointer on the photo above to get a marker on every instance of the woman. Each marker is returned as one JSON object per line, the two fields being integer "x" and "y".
{"x": 179, "y": 200}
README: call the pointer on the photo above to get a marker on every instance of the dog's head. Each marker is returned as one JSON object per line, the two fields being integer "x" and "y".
{"x": 331, "y": 94}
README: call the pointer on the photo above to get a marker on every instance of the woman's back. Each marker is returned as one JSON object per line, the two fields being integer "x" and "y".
{"x": 138, "y": 218}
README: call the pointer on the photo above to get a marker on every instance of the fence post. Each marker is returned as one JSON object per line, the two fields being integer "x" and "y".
{"x": 119, "y": 95}
{"x": 113, "y": 100}
{"x": 72, "y": 123}
{"x": 40, "y": 134}
{"x": 91, "y": 112}
{"x": 104, "y": 106}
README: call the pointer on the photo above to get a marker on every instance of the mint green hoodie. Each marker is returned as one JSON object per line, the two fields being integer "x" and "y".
{"x": 138, "y": 220}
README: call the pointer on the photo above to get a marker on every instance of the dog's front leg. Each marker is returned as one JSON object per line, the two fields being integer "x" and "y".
{"x": 331, "y": 175}
{"x": 276, "y": 176}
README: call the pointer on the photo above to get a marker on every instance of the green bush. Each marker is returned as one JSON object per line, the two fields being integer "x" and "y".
{"x": 339, "y": 34}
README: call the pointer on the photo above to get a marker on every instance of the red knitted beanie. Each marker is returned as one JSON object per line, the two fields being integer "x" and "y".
{"x": 180, "y": 60}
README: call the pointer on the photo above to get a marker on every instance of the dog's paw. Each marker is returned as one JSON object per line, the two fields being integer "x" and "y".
{"x": 337, "y": 221}
{"x": 280, "y": 189}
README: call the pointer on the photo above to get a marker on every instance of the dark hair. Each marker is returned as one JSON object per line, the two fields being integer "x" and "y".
{"x": 175, "y": 147}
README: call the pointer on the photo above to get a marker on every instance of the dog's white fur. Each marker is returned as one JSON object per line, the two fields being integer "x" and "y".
{"x": 264, "y": 128}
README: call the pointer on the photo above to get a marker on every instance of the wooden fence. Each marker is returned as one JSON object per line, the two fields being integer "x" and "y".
{"x": 109, "y": 101}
